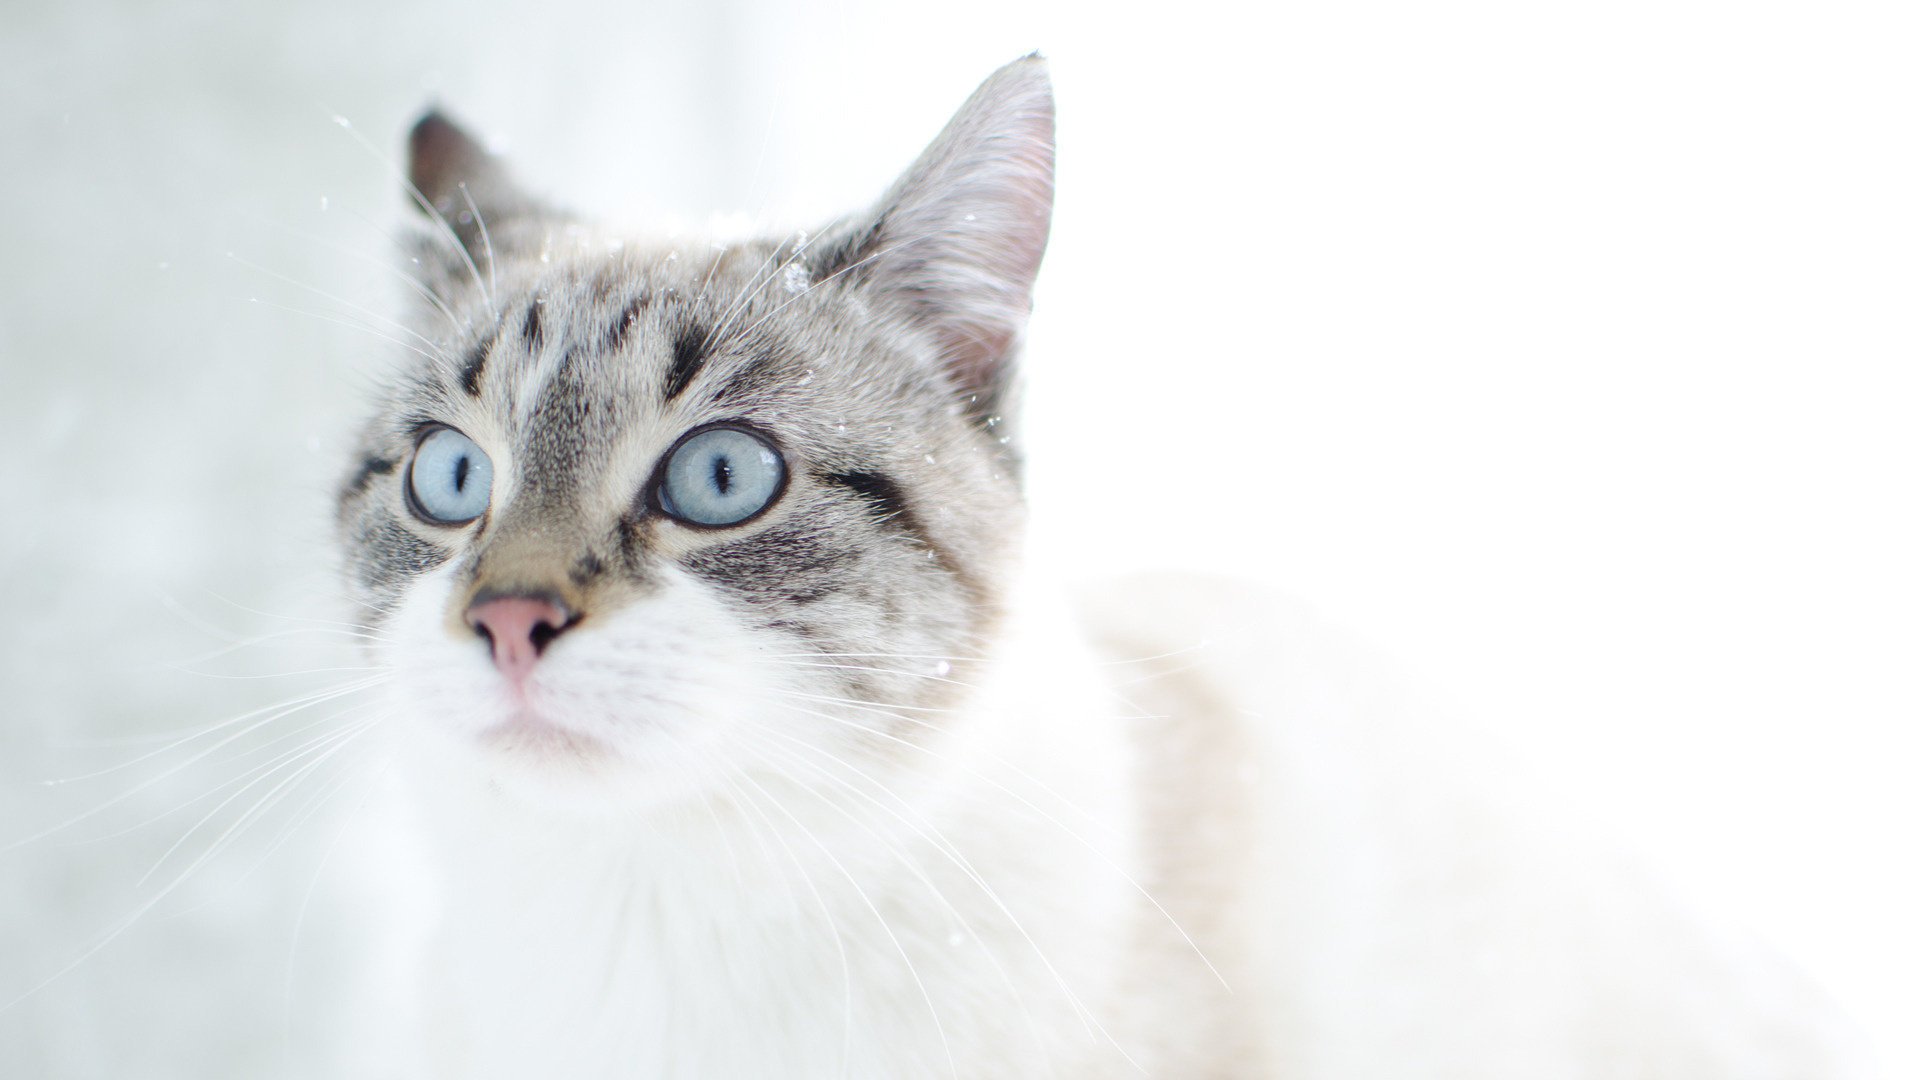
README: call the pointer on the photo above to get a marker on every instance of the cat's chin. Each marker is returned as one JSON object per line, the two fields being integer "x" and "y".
{"x": 526, "y": 734}
{"x": 543, "y": 763}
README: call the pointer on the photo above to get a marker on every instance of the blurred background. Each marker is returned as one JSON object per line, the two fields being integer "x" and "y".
{"x": 1566, "y": 351}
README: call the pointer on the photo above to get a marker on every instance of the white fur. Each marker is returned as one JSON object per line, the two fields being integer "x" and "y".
{"x": 722, "y": 903}
{"x": 964, "y": 910}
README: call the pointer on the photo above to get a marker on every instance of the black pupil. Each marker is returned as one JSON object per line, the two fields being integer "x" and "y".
{"x": 460, "y": 473}
{"x": 722, "y": 474}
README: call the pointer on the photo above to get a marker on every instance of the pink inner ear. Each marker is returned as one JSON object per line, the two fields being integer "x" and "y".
{"x": 977, "y": 360}
{"x": 966, "y": 227}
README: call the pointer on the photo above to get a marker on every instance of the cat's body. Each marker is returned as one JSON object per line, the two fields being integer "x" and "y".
{"x": 1416, "y": 911}
{"x": 745, "y": 749}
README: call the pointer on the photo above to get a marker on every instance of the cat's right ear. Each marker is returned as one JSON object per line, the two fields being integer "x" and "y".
{"x": 956, "y": 244}
{"x": 454, "y": 180}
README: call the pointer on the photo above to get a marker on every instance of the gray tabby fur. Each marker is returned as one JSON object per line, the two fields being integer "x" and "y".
{"x": 881, "y": 349}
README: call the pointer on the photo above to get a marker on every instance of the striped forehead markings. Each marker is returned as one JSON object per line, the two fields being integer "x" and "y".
{"x": 474, "y": 366}
{"x": 750, "y": 379}
{"x": 688, "y": 357}
{"x": 689, "y": 353}
{"x": 628, "y": 318}
{"x": 530, "y": 327}
{"x": 533, "y": 330}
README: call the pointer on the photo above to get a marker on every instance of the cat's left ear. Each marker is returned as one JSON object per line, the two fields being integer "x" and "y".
{"x": 454, "y": 179}
{"x": 957, "y": 242}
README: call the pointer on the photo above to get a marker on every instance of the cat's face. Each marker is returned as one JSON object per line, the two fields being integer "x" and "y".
{"x": 639, "y": 520}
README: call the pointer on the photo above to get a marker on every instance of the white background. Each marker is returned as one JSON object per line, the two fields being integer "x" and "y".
{"x": 1568, "y": 351}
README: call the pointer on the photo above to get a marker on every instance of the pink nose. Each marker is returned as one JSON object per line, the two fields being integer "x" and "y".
{"x": 519, "y": 628}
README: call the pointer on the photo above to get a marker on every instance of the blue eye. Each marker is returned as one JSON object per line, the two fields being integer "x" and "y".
{"x": 721, "y": 476}
{"x": 451, "y": 479}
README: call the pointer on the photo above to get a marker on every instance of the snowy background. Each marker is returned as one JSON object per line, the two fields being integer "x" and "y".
{"x": 1567, "y": 351}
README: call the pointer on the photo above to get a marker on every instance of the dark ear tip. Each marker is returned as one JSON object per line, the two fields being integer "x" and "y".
{"x": 434, "y": 135}
{"x": 432, "y": 124}
{"x": 441, "y": 155}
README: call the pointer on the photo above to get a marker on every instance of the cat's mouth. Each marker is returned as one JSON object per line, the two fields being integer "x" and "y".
{"x": 528, "y": 732}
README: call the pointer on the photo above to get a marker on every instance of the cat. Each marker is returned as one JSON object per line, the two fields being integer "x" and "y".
{"x": 746, "y": 744}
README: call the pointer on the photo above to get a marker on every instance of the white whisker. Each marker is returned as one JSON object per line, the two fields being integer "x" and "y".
{"x": 420, "y": 287}
{"x": 486, "y": 238}
{"x": 833, "y": 925}
{"x": 934, "y": 838}
{"x": 225, "y": 784}
{"x": 373, "y": 776}
{"x": 113, "y": 933}
{"x": 426, "y": 206}
{"x": 933, "y": 1011}
{"x": 1056, "y": 822}
{"x": 285, "y": 760}
{"x": 338, "y": 321}
{"x": 360, "y": 309}
{"x": 150, "y": 781}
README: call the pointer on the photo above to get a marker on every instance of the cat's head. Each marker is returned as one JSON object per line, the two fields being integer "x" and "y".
{"x": 634, "y": 519}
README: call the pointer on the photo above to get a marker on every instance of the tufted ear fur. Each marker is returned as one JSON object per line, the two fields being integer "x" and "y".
{"x": 957, "y": 242}
{"x": 457, "y": 180}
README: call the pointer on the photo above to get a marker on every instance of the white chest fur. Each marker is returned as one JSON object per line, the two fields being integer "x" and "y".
{"x": 966, "y": 915}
